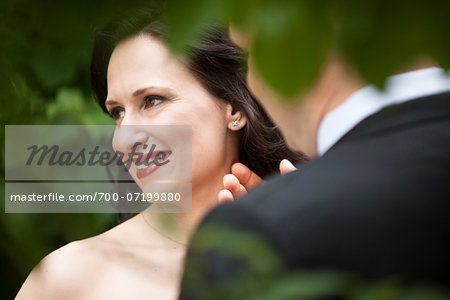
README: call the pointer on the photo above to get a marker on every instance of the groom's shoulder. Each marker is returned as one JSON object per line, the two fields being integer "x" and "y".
{"x": 401, "y": 169}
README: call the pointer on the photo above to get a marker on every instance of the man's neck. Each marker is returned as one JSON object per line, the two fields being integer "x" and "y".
{"x": 336, "y": 84}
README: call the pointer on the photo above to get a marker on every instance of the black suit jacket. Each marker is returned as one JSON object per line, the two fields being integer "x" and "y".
{"x": 377, "y": 204}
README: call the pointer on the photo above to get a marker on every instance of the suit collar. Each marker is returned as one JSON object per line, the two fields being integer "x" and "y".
{"x": 369, "y": 100}
{"x": 411, "y": 113}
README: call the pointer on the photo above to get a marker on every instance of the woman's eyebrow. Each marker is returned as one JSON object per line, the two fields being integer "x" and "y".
{"x": 143, "y": 90}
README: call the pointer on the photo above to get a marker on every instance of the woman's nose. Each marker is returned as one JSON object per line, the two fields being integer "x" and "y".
{"x": 132, "y": 117}
{"x": 130, "y": 134}
{"x": 129, "y": 139}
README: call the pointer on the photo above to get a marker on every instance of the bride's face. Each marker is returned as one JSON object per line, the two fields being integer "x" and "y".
{"x": 147, "y": 85}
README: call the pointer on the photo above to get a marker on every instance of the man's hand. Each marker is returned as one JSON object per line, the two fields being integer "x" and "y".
{"x": 243, "y": 179}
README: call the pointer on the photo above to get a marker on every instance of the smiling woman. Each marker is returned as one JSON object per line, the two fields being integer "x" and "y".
{"x": 138, "y": 81}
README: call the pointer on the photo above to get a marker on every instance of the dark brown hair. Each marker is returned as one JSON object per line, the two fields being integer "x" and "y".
{"x": 220, "y": 67}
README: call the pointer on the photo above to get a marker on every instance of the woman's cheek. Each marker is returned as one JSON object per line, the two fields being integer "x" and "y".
{"x": 208, "y": 130}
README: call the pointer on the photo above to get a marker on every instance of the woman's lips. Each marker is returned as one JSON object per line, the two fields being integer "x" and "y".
{"x": 149, "y": 159}
{"x": 147, "y": 171}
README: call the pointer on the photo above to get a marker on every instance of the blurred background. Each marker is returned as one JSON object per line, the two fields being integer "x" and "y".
{"x": 45, "y": 49}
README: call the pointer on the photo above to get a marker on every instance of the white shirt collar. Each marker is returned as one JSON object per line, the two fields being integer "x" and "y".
{"x": 368, "y": 100}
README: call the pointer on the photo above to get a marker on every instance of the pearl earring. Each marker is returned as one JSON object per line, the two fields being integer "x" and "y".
{"x": 234, "y": 123}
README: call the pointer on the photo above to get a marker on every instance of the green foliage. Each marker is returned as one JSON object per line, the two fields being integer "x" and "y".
{"x": 299, "y": 51}
{"x": 44, "y": 79}
{"x": 180, "y": 37}
{"x": 290, "y": 40}
{"x": 262, "y": 274}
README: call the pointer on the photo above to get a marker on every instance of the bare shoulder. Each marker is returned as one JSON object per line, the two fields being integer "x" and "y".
{"x": 63, "y": 274}
{"x": 115, "y": 264}
{"x": 67, "y": 272}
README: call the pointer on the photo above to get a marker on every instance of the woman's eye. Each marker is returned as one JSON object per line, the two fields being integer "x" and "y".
{"x": 153, "y": 101}
{"x": 117, "y": 113}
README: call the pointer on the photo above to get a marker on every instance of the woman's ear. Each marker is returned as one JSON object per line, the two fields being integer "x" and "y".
{"x": 235, "y": 118}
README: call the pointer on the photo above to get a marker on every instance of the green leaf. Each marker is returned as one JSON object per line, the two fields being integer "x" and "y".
{"x": 186, "y": 20}
{"x": 291, "y": 47}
